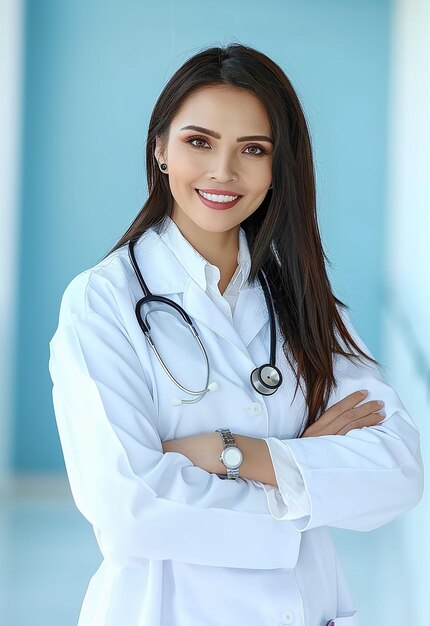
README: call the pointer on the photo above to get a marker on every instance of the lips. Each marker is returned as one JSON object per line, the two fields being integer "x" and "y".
{"x": 219, "y": 206}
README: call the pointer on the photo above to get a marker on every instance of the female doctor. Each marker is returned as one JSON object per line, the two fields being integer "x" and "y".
{"x": 216, "y": 408}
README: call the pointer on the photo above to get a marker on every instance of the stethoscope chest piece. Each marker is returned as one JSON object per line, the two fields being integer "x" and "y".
{"x": 266, "y": 379}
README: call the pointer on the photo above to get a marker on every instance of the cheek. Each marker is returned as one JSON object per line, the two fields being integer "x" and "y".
{"x": 259, "y": 175}
{"x": 258, "y": 185}
{"x": 186, "y": 171}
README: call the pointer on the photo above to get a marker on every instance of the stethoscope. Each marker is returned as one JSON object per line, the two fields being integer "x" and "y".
{"x": 265, "y": 379}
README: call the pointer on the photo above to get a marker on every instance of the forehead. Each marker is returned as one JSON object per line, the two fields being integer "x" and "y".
{"x": 216, "y": 106}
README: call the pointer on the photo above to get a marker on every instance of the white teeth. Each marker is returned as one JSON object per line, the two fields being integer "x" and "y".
{"x": 215, "y": 198}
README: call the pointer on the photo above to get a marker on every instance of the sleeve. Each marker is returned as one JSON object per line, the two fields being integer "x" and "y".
{"x": 289, "y": 500}
{"x": 144, "y": 503}
{"x": 370, "y": 475}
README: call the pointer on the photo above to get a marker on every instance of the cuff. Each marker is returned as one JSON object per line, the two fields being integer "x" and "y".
{"x": 290, "y": 500}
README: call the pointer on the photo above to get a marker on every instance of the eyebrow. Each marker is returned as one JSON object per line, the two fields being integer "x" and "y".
{"x": 212, "y": 133}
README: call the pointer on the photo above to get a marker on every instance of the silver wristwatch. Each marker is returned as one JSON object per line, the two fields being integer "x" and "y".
{"x": 231, "y": 456}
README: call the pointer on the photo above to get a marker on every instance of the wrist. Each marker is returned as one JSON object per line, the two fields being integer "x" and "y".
{"x": 218, "y": 466}
{"x": 231, "y": 456}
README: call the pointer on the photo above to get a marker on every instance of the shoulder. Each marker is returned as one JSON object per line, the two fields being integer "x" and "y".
{"x": 97, "y": 289}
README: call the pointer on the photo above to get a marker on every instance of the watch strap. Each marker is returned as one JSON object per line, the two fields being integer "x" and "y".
{"x": 228, "y": 441}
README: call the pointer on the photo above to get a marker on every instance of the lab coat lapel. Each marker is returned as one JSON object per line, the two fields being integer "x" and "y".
{"x": 165, "y": 276}
{"x": 250, "y": 314}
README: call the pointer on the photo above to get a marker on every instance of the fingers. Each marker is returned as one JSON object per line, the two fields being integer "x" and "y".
{"x": 346, "y": 404}
{"x": 368, "y": 420}
{"x": 359, "y": 412}
{"x": 345, "y": 415}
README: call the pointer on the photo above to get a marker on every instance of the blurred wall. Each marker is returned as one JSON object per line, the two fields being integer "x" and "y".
{"x": 406, "y": 313}
{"x": 11, "y": 62}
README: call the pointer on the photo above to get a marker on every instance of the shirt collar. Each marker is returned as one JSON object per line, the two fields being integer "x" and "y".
{"x": 199, "y": 268}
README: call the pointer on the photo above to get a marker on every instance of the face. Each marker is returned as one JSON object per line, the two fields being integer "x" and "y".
{"x": 230, "y": 163}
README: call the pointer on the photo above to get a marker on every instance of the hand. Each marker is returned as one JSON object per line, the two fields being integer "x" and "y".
{"x": 343, "y": 417}
{"x": 202, "y": 450}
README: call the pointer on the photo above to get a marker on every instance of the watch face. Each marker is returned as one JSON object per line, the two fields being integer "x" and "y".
{"x": 232, "y": 457}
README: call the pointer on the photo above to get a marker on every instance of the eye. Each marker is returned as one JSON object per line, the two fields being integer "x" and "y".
{"x": 262, "y": 151}
{"x": 190, "y": 141}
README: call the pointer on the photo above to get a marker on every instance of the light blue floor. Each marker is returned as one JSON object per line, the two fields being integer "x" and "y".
{"x": 48, "y": 553}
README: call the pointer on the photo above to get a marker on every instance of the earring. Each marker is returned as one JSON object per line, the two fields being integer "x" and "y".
{"x": 271, "y": 187}
{"x": 163, "y": 166}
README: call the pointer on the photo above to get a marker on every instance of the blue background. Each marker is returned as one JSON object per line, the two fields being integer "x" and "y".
{"x": 93, "y": 71}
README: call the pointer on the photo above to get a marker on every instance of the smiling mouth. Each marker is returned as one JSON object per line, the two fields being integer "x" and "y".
{"x": 218, "y": 205}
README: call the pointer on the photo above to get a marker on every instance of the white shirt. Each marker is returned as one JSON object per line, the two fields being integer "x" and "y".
{"x": 180, "y": 545}
{"x": 290, "y": 499}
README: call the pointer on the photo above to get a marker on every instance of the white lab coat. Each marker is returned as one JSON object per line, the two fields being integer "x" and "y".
{"x": 181, "y": 546}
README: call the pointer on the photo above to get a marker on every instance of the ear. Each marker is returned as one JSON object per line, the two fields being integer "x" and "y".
{"x": 159, "y": 150}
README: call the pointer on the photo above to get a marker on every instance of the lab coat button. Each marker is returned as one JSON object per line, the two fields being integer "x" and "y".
{"x": 255, "y": 408}
{"x": 287, "y": 618}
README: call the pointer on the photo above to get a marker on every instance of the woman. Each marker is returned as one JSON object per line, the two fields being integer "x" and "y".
{"x": 211, "y": 494}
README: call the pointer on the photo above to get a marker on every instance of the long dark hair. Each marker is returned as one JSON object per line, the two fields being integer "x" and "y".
{"x": 282, "y": 234}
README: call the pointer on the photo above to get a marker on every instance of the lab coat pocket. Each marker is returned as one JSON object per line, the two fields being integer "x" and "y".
{"x": 344, "y": 620}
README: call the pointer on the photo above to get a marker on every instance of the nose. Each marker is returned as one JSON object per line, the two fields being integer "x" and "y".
{"x": 223, "y": 169}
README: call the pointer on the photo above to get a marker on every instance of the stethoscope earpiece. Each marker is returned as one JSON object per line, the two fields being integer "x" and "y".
{"x": 265, "y": 379}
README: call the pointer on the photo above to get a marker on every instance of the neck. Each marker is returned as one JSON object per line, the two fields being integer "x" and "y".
{"x": 220, "y": 249}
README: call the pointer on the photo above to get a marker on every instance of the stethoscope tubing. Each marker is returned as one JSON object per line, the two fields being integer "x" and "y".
{"x": 256, "y": 379}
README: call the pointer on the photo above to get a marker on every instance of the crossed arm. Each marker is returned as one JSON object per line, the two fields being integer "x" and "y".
{"x": 204, "y": 450}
